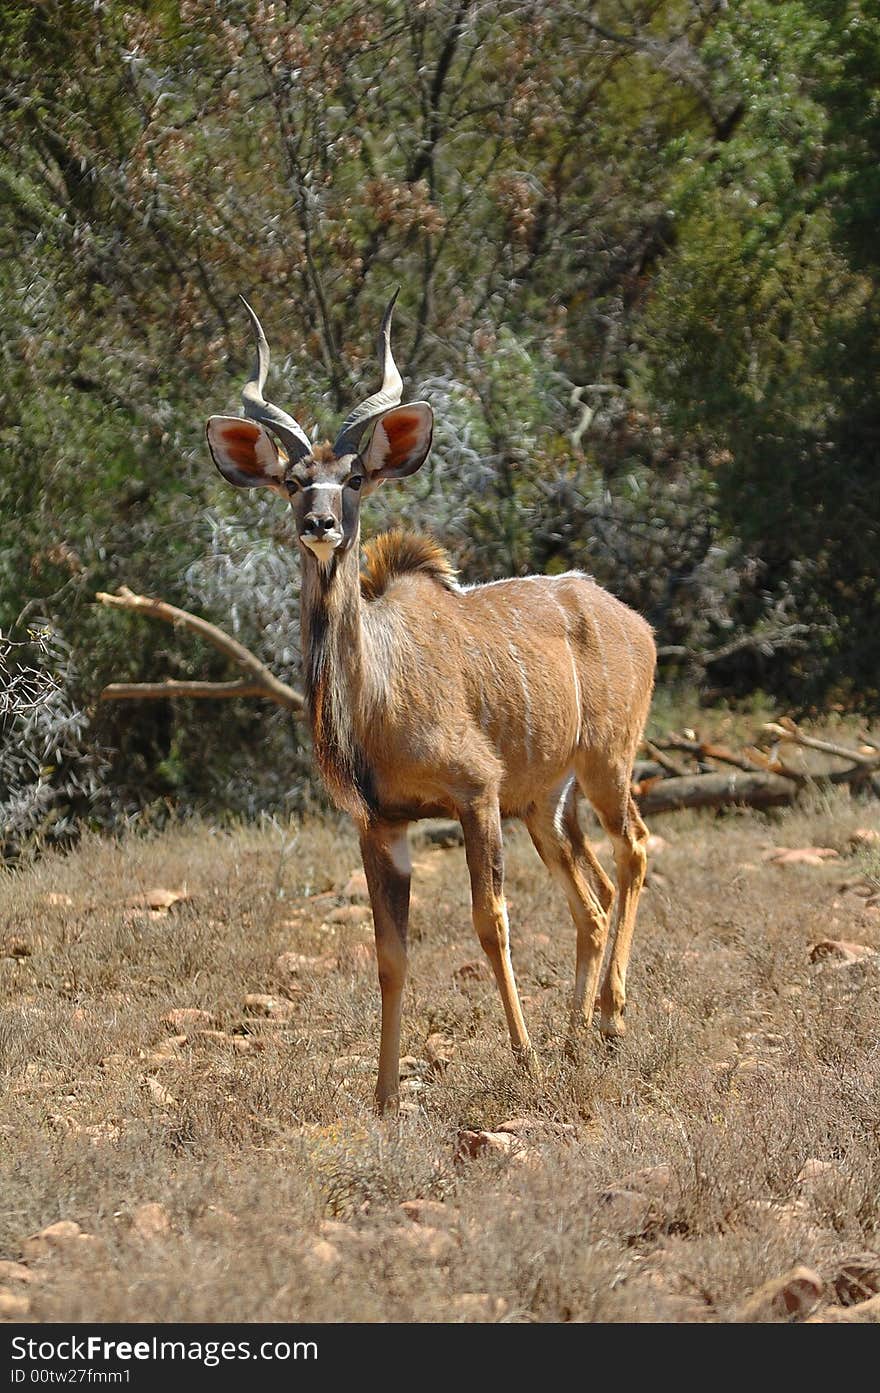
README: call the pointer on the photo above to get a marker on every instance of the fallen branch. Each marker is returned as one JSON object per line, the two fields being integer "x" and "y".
{"x": 671, "y": 766}
{"x": 786, "y": 729}
{"x": 741, "y": 790}
{"x": 764, "y": 781}
{"x": 263, "y": 681}
{"x": 701, "y": 750}
{"x": 131, "y": 691}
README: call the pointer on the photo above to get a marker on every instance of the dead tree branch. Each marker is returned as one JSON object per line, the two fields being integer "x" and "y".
{"x": 262, "y": 683}
{"x": 764, "y": 782}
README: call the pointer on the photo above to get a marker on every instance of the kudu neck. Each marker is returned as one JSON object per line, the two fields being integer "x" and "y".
{"x": 335, "y": 667}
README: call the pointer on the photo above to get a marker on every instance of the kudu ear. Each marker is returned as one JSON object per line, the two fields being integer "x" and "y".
{"x": 401, "y": 441}
{"x": 245, "y": 453}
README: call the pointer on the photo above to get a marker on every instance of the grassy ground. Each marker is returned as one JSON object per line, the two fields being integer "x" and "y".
{"x": 238, "y": 1173}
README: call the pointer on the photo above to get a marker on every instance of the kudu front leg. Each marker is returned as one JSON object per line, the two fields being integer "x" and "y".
{"x": 481, "y": 825}
{"x": 385, "y": 853}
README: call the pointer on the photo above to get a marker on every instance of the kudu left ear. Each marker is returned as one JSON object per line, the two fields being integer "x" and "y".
{"x": 401, "y": 441}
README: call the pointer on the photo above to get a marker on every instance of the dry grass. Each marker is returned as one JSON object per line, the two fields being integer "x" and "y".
{"x": 742, "y": 1062}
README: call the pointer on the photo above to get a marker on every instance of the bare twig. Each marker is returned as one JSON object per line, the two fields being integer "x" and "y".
{"x": 655, "y": 749}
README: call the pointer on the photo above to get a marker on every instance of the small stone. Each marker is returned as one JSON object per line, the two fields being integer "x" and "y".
{"x": 303, "y": 965}
{"x": 185, "y": 1018}
{"x": 350, "y": 914}
{"x": 864, "y": 838}
{"x": 795, "y": 1293}
{"x": 246, "y": 1044}
{"x": 150, "y": 1221}
{"x": 352, "y": 1064}
{"x": 273, "y": 1008}
{"x": 356, "y": 887}
{"x": 15, "y": 1272}
{"x": 656, "y": 844}
{"x": 473, "y": 1144}
{"x": 159, "y": 1094}
{"x": 425, "y": 1211}
{"x": 58, "y": 900}
{"x": 840, "y": 952}
{"x": 479, "y": 1306}
{"x": 211, "y": 1037}
{"x": 13, "y": 1305}
{"x": 53, "y": 1238}
{"x": 857, "y": 1279}
{"x": 322, "y": 1258}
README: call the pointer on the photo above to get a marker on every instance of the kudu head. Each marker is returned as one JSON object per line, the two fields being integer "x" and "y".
{"x": 379, "y": 439}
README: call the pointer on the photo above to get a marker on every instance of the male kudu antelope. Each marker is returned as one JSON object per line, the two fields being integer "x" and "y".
{"x": 430, "y": 698}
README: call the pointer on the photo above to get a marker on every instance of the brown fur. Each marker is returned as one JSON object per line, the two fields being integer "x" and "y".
{"x": 480, "y": 701}
{"x": 323, "y": 453}
{"x": 399, "y": 553}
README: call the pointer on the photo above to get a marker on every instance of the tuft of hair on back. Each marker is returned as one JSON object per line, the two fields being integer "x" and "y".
{"x": 400, "y": 553}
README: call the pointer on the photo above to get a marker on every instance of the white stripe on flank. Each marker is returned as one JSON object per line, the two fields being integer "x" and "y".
{"x": 560, "y": 809}
{"x": 577, "y": 691}
{"x": 527, "y": 703}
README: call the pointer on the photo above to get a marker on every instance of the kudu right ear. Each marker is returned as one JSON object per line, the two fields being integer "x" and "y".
{"x": 245, "y": 453}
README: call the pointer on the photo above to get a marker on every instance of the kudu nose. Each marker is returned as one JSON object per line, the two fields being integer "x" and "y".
{"x": 316, "y": 524}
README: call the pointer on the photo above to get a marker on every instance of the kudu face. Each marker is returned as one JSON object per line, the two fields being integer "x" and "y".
{"x": 325, "y": 494}
{"x": 325, "y": 484}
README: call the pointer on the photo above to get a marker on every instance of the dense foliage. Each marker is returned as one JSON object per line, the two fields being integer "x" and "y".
{"x": 638, "y": 257}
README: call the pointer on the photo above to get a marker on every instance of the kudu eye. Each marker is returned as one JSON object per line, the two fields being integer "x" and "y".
{"x": 354, "y": 482}
{"x": 292, "y": 486}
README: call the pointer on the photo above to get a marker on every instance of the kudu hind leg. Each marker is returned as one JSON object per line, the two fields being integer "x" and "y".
{"x": 562, "y": 846}
{"x": 629, "y": 837}
{"x": 481, "y": 825}
{"x": 386, "y": 860}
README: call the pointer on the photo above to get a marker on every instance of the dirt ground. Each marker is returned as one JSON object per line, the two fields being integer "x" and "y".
{"x": 227, "y": 1165}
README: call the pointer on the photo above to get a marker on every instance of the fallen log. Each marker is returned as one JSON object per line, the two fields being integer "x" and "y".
{"x": 735, "y": 790}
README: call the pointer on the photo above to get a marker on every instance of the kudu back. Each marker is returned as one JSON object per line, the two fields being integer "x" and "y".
{"x": 477, "y": 702}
